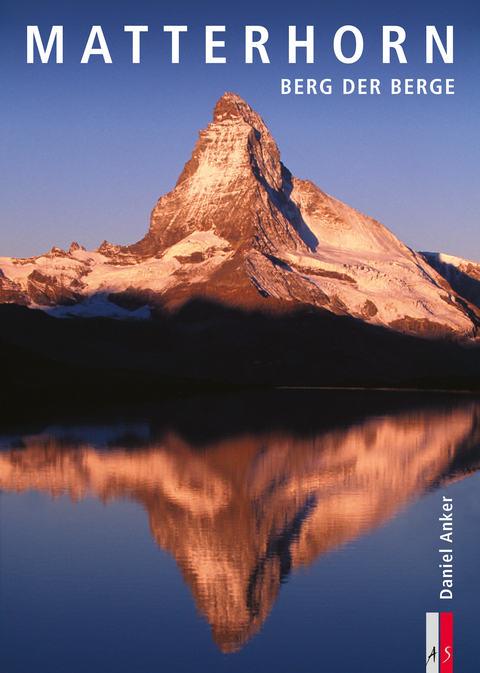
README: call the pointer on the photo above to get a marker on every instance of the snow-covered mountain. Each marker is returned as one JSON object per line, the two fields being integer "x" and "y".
{"x": 239, "y": 229}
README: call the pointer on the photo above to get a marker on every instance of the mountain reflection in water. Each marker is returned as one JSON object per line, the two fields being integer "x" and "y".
{"x": 239, "y": 509}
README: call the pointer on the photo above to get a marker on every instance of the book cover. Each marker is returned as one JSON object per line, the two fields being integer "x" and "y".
{"x": 194, "y": 477}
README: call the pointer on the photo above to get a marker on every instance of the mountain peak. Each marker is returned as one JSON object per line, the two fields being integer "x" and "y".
{"x": 232, "y": 107}
{"x": 224, "y": 186}
{"x": 230, "y": 142}
{"x": 239, "y": 229}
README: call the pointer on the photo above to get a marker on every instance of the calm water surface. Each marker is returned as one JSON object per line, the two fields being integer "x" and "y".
{"x": 291, "y": 530}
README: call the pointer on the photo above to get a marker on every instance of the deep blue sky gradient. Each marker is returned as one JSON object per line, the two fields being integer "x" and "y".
{"x": 87, "y": 149}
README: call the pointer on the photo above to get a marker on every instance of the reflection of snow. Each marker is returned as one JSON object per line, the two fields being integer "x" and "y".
{"x": 242, "y": 512}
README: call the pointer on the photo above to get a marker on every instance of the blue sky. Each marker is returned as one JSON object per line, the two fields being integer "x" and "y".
{"x": 87, "y": 149}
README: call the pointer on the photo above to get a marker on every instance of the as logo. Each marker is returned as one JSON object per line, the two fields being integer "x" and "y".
{"x": 439, "y": 642}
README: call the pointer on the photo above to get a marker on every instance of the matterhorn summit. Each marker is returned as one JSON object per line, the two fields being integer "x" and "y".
{"x": 239, "y": 230}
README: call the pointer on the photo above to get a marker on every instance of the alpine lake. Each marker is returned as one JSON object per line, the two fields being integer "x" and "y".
{"x": 270, "y": 531}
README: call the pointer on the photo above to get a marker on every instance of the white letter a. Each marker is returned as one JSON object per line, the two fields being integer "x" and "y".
{"x": 102, "y": 50}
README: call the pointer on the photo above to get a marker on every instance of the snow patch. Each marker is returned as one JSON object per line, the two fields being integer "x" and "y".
{"x": 96, "y": 307}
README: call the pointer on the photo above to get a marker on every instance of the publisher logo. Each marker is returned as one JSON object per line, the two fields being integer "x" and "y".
{"x": 439, "y": 642}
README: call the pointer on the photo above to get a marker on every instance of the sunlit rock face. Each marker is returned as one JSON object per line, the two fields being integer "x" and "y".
{"x": 240, "y": 513}
{"x": 239, "y": 229}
